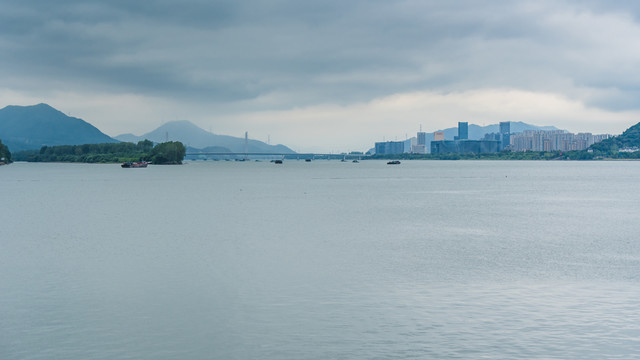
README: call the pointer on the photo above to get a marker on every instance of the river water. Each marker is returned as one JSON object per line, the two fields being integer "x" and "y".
{"x": 321, "y": 260}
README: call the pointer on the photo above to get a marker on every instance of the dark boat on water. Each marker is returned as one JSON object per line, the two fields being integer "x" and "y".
{"x": 394, "y": 162}
{"x": 131, "y": 164}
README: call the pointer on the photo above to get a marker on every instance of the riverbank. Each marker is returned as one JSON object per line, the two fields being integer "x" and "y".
{"x": 513, "y": 155}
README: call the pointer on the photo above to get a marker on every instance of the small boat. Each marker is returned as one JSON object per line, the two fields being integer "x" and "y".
{"x": 277, "y": 161}
{"x": 394, "y": 162}
{"x": 355, "y": 161}
{"x": 307, "y": 160}
{"x": 131, "y": 164}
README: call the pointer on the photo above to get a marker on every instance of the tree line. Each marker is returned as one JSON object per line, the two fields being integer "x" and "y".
{"x": 5, "y": 154}
{"x": 172, "y": 152}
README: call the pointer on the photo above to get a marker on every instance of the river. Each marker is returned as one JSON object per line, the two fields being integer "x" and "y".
{"x": 321, "y": 260}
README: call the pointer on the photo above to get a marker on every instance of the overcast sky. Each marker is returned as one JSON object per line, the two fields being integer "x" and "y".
{"x": 331, "y": 75}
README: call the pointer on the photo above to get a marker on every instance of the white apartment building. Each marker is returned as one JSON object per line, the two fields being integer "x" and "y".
{"x": 556, "y": 140}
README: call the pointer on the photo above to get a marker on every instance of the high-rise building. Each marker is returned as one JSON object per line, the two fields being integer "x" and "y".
{"x": 505, "y": 135}
{"x": 463, "y": 130}
{"x": 420, "y": 147}
{"x": 390, "y": 147}
{"x": 422, "y": 138}
{"x": 464, "y": 146}
{"x": 505, "y": 127}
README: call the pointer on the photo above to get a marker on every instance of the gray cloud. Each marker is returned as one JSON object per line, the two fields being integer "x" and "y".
{"x": 322, "y": 52}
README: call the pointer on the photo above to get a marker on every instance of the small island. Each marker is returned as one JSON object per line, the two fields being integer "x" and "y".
{"x": 167, "y": 153}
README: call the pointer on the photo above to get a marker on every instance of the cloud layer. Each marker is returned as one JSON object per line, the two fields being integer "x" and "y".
{"x": 286, "y": 67}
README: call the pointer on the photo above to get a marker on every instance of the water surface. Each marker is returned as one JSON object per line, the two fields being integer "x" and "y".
{"x": 321, "y": 260}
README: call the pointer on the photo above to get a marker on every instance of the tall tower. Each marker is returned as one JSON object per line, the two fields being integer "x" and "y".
{"x": 505, "y": 134}
{"x": 422, "y": 138}
{"x": 246, "y": 142}
{"x": 420, "y": 147}
{"x": 463, "y": 130}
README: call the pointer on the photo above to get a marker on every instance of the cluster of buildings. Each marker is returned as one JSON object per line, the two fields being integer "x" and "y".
{"x": 462, "y": 145}
{"x": 528, "y": 140}
{"x": 558, "y": 140}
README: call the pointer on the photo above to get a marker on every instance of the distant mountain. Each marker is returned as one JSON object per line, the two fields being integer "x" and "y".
{"x": 209, "y": 149}
{"x": 31, "y": 127}
{"x": 195, "y": 137}
{"x": 128, "y": 138}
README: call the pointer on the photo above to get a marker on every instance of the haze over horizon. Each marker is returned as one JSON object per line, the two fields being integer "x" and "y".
{"x": 326, "y": 76}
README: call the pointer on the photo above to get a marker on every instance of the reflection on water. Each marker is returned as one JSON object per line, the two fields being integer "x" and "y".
{"x": 245, "y": 260}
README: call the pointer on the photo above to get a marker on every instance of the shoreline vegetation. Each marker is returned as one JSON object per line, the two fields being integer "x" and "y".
{"x": 5, "y": 154}
{"x": 168, "y": 153}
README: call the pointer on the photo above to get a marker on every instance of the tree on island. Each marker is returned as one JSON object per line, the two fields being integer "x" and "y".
{"x": 5, "y": 154}
{"x": 145, "y": 145}
{"x": 168, "y": 153}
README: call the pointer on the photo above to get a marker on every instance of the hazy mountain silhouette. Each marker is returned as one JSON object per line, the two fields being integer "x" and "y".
{"x": 194, "y": 137}
{"x": 128, "y": 138}
{"x": 209, "y": 149}
{"x": 31, "y": 127}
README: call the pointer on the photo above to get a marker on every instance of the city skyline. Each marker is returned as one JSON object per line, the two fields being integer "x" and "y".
{"x": 524, "y": 139}
{"x": 325, "y": 76}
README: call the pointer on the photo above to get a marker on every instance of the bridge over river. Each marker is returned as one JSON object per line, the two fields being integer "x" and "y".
{"x": 282, "y": 155}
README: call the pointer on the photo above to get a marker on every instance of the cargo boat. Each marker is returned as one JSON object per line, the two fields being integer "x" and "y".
{"x": 131, "y": 164}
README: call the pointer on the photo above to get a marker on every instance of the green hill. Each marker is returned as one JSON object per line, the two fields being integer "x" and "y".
{"x": 31, "y": 127}
{"x": 628, "y": 139}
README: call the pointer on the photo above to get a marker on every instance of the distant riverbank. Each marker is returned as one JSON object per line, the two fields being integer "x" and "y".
{"x": 513, "y": 155}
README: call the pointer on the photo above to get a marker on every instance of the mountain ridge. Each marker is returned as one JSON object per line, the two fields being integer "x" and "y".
{"x": 33, "y": 126}
{"x": 195, "y": 137}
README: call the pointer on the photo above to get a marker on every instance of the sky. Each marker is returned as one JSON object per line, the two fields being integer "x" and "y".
{"x": 325, "y": 76}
